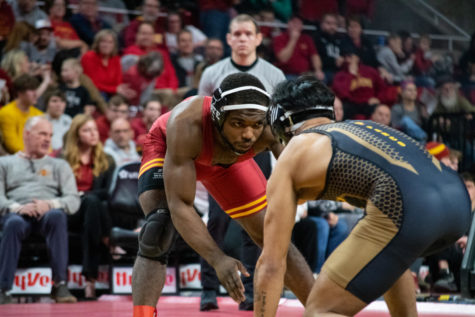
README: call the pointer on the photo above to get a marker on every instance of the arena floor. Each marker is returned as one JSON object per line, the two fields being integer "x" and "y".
{"x": 181, "y": 306}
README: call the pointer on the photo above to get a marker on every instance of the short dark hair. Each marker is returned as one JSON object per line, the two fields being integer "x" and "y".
{"x": 116, "y": 101}
{"x": 303, "y": 93}
{"x": 467, "y": 177}
{"x": 355, "y": 18}
{"x": 154, "y": 98}
{"x": 145, "y": 23}
{"x": 25, "y": 82}
{"x": 53, "y": 92}
{"x": 373, "y": 108}
{"x": 403, "y": 34}
{"x": 393, "y": 36}
{"x": 183, "y": 31}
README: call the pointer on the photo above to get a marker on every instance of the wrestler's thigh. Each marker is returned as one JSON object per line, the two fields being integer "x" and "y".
{"x": 327, "y": 296}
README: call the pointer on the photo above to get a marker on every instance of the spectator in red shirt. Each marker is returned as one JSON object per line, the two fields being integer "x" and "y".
{"x": 152, "y": 109}
{"x": 7, "y": 20}
{"x": 66, "y": 36}
{"x": 359, "y": 86}
{"x": 296, "y": 53}
{"x": 102, "y": 65}
{"x": 423, "y": 63}
{"x": 142, "y": 77}
{"x": 117, "y": 107}
{"x": 93, "y": 170}
{"x": 167, "y": 82}
{"x": 150, "y": 13}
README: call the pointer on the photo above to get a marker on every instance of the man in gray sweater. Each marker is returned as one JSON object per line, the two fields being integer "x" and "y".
{"x": 36, "y": 193}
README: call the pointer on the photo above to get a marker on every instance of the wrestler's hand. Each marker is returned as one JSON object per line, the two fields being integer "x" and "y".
{"x": 227, "y": 270}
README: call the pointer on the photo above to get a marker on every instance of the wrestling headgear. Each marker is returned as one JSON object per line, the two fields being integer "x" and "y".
{"x": 294, "y": 102}
{"x": 220, "y": 103}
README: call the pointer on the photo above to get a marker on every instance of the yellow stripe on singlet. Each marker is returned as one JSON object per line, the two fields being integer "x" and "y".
{"x": 149, "y": 166}
{"x": 251, "y": 204}
{"x": 246, "y": 213}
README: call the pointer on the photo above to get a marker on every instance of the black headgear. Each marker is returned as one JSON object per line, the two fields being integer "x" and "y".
{"x": 284, "y": 122}
{"x": 219, "y": 104}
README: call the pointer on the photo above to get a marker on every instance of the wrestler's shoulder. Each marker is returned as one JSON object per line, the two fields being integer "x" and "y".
{"x": 188, "y": 111}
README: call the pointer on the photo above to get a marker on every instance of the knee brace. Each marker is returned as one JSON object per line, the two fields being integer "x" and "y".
{"x": 157, "y": 236}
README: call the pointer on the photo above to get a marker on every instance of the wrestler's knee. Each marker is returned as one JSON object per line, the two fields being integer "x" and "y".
{"x": 157, "y": 236}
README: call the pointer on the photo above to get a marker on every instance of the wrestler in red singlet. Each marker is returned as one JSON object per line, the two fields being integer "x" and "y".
{"x": 239, "y": 188}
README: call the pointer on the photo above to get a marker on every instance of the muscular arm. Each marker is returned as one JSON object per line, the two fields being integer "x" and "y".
{"x": 278, "y": 224}
{"x": 183, "y": 145}
{"x": 299, "y": 174}
{"x": 180, "y": 184}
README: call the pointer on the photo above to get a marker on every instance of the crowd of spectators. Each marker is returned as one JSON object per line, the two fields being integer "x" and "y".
{"x": 101, "y": 79}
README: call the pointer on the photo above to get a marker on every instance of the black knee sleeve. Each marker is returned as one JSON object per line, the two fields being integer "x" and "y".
{"x": 157, "y": 236}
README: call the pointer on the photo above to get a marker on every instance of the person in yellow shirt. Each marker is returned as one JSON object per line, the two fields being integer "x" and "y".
{"x": 14, "y": 115}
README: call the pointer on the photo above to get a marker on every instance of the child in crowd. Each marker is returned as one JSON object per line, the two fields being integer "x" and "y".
{"x": 423, "y": 62}
{"x": 77, "y": 96}
{"x": 55, "y": 105}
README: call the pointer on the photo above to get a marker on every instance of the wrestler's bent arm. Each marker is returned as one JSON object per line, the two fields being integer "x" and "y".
{"x": 180, "y": 186}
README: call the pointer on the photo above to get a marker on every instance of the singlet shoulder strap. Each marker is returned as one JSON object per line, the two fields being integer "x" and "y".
{"x": 206, "y": 154}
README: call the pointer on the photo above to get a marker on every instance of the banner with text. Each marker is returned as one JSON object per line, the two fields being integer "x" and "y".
{"x": 77, "y": 281}
{"x": 190, "y": 276}
{"x": 122, "y": 281}
{"x": 35, "y": 280}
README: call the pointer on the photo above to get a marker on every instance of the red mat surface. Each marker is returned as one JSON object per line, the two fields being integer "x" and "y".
{"x": 180, "y": 306}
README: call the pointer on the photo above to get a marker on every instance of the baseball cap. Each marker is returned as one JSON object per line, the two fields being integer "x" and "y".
{"x": 43, "y": 24}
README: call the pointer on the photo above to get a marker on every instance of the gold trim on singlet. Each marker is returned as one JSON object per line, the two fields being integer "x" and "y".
{"x": 370, "y": 236}
{"x": 376, "y": 150}
{"x": 152, "y": 163}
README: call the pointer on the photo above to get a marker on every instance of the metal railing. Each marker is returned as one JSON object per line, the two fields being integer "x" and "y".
{"x": 457, "y": 131}
{"x": 439, "y": 15}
